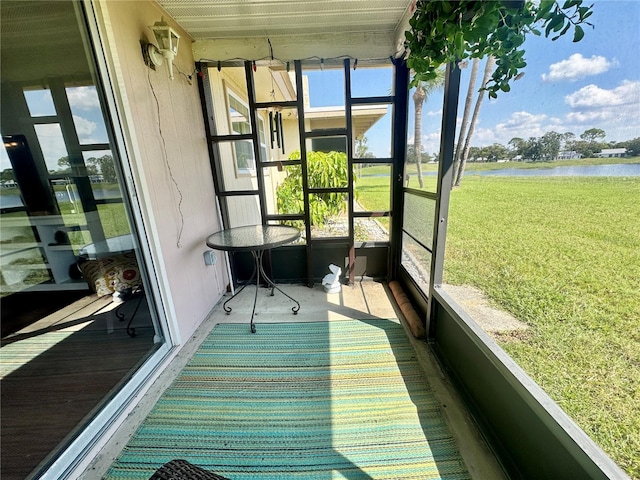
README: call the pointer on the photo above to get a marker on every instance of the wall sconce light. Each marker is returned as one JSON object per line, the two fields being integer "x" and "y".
{"x": 167, "y": 39}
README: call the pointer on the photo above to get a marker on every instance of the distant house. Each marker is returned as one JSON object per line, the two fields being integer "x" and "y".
{"x": 612, "y": 152}
{"x": 568, "y": 155}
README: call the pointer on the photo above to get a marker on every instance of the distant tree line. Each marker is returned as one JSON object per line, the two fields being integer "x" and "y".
{"x": 550, "y": 146}
{"x": 102, "y": 166}
{"x": 94, "y": 166}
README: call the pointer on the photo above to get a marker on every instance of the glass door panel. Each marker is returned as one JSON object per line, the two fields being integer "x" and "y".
{"x": 72, "y": 279}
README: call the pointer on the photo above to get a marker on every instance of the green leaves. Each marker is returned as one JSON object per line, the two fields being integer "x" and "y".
{"x": 324, "y": 170}
{"x": 578, "y": 33}
{"x": 444, "y": 32}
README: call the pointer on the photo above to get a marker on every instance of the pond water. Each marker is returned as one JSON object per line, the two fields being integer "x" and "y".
{"x": 14, "y": 199}
{"x": 615, "y": 170}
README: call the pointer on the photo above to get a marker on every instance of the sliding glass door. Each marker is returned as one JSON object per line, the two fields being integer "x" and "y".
{"x": 76, "y": 319}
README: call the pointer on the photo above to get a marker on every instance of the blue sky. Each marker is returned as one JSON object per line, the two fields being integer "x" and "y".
{"x": 567, "y": 87}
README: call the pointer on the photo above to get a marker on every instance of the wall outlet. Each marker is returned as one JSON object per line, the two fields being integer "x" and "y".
{"x": 209, "y": 257}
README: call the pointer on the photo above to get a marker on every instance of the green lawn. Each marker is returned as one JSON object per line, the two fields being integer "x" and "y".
{"x": 563, "y": 255}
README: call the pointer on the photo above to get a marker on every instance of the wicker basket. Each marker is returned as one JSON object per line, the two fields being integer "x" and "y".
{"x": 183, "y": 470}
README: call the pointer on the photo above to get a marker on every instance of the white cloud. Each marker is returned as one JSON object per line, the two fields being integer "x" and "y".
{"x": 576, "y": 67}
{"x": 616, "y": 110}
{"x": 83, "y": 98}
{"x": 84, "y": 128}
{"x": 592, "y": 96}
{"x": 522, "y": 124}
{"x": 431, "y": 142}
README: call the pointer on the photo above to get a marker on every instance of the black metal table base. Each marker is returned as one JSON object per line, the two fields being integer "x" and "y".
{"x": 258, "y": 272}
{"x": 138, "y": 294}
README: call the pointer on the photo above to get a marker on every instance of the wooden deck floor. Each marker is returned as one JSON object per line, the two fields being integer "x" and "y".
{"x": 57, "y": 371}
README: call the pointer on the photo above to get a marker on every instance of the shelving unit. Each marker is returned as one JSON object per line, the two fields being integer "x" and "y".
{"x": 56, "y": 258}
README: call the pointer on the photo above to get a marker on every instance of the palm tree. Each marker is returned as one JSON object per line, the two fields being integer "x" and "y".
{"x": 422, "y": 92}
{"x": 491, "y": 61}
{"x": 465, "y": 117}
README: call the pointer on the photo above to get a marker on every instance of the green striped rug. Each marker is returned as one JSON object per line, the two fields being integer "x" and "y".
{"x": 342, "y": 399}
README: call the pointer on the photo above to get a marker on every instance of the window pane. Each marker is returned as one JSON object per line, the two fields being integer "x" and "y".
{"x": 281, "y": 138}
{"x": 244, "y": 158}
{"x": 324, "y": 97}
{"x": 328, "y": 215}
{"x": 53, "y": 147}
{"x": 87, "y": 115}
{"x": 428, "y": 134}
{"x": 244, "y": 210}
{"x": 40, "y": 102}
{"x": 55, "y": 302}
{"x": 417, "y": 261}
{"x": 371, "y": 229}
{"x": 234, "y": 178}
{"x": 372, "y": 188}
{"x": 372, "y": 131}
{"x": 371, "y": 81}
{"x": 102, "y": 174}
{"x": 229, "y": 82}
{"x": 283, "y": 189}
{"x": 238, "y": 116}
{"x": 274, "y": 83}
{"x": 419, "y": 213}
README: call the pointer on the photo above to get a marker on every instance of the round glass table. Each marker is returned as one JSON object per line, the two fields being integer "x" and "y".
{"x": 255, "y": 239}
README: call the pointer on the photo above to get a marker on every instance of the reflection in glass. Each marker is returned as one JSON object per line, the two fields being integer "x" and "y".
{"x": 87, "y": 116}
{"x": 102, "y": 174}
{"x": 57, "y": 282}
{"x": 21, "y": 262}
{"x": 53, "y": 147}
{"x": 40, "y": 102}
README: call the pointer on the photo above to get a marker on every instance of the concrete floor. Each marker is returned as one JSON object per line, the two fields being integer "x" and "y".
{"x": 363, "y": 300}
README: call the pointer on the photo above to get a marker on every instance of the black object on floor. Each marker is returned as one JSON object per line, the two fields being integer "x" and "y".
{"x": 183, "y": 470}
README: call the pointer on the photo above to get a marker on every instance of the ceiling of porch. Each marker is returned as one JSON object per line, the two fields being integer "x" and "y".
{"x": 297, "y": 29}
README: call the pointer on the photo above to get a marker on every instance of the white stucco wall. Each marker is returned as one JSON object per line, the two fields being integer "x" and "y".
{"x": 170, "y": 161}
